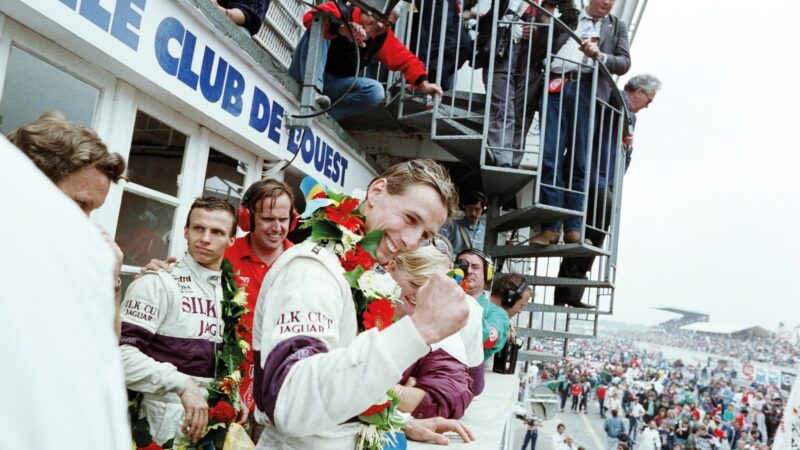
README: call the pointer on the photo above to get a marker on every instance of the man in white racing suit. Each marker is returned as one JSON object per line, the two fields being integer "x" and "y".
{"x": 315, "y": 371}
{"x": 172, "y": 327}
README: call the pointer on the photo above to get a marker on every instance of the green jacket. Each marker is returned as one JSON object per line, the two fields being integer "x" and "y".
{"x": 496, "y": 324}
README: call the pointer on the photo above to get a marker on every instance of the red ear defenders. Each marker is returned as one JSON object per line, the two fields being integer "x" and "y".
{"x": 247, "y": 223}
{"x": 246, "y": 213}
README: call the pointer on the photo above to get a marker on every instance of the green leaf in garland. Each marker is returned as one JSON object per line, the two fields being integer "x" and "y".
{"x": 371, "y": 241}
{"x": 324, "y": 230}
{"x": 353, "y": 276}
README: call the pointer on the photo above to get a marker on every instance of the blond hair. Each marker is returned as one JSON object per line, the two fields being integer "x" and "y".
{"x": 422, "y": 171}
{"x": 60, "y": 147}
{"x": 422, "y": 263}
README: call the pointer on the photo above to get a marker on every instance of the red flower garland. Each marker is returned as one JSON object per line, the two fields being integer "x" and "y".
{"x": 343, "y": 215}
{"x": 357, "y": 257}
{"x": 152, "y": 446}
{"x": 376, "y": 409}
{"x": 379, "y": 313}
{"x": 222, "y": 412}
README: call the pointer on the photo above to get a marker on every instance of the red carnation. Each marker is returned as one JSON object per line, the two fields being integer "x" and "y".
{"x": 379, "y": 313}
{"x": 357, "y": 257}
{"x": 320, "y": 194}
{"x": 152, "y": 446}
{"x": 222, "y": 412}
{"x": 376, "y": 409}
{"x": 343, "y": 215}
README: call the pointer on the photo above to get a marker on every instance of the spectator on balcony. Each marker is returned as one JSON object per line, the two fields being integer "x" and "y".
{"x": 248, "y": 14}
{"x": 468, "y": 232}
{"x": 339, "y": 59}
{"x": 638, "y": 93}
{"x": 425, "y": 38}
{"x": 564, "y": 159}
{"x": 515, "y": 91}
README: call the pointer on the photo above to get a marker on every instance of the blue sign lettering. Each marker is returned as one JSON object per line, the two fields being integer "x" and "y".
{"x": 123, "y": 16}
{"x": 212, "y": 91}
{"x": 168, "y": 30}
{"x": 228, "y": 84}
{"x": 325, "y": 158}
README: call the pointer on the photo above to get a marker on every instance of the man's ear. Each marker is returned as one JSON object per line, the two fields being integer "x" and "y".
{"x": 376, "y": 189}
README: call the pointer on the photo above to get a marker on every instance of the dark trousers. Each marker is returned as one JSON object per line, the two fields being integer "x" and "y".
{"x": 564, "y": 395}
{"x": 577, "y": 267}
{"x": 602, "y": 408}
{"x": 530, "y": 436}
{"x": 574, "y": 403}
{"x": 425, "y": 39}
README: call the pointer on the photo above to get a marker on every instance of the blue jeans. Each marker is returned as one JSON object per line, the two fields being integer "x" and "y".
{"x": 365, "y": 94}
{"x": 530, "y": 436}
{"x": 566, "y": 146}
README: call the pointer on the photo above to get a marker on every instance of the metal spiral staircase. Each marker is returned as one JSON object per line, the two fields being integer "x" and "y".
{"x": 459, "y": 122}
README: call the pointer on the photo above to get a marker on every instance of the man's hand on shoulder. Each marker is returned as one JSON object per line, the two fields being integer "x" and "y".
{"x": 433, "y": 429}
{"x": 196, "y": 408}
{"x": 156, "y": 264}
{"x": 441, "y": 309}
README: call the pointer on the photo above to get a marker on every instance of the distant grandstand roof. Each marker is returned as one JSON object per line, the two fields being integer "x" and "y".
{"x": 725, "y": 328}
{"x": 680, "y": 311}
{"x": 686, "y": 317}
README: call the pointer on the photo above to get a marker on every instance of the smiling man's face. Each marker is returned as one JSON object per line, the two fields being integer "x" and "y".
{"x": 406, "y": 219}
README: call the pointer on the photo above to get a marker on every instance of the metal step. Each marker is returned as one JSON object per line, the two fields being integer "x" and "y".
{"x": 529, "y": 216}
{"x": 462, "y": 100}
{"x": 530, "y": 355}
{"x": 504, "y": 182}
{"x": 536, "y": 280}
{"x": 466, "y": 148}
{"x": 542, "y": 251}
{"x": 540, "y": 307}
{"x": 547, "y": 334}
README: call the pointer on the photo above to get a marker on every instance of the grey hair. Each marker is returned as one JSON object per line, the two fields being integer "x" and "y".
{"x": 643, "y": 81}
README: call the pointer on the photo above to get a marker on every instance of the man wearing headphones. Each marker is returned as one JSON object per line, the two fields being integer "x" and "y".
{"x": 467, "y": 232}
{"x": 508, "y": 295}
{"x": 267, "y": 214}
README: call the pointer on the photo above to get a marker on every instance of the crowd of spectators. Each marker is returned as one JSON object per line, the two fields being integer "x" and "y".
{"x": 771, "y": 349}
{"x": 652, "y": 402}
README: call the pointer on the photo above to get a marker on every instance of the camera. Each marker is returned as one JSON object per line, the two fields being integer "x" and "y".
{"x": 569, "y": 13}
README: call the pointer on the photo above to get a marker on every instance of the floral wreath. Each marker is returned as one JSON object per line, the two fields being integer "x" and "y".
{"x": 335, "y": 219}
{"x": 223, "y": 399}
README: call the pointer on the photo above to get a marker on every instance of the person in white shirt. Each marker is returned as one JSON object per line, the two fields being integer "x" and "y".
{"x": 318, "y": 373}
{"x": 62, "y": 372}
{"x": 560, "y": 440}
{"x": 650, "y": 439}
{"x": 634, "y": 416}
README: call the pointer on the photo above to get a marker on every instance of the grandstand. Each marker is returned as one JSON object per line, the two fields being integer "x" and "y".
{"x": 686, "y": 318}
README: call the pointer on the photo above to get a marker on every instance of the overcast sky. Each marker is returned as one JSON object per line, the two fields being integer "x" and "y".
{"x": 710, "y": 210}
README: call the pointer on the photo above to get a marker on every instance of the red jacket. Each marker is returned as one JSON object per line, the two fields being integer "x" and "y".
{"x": 385, "y": 48}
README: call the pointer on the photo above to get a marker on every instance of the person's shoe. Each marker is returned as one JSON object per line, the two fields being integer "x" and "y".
{"x": 573, "y": 304}
{"x": 322, "y": 101}
{"x": 546, "y": 237}
{"x": 574, "y": 237}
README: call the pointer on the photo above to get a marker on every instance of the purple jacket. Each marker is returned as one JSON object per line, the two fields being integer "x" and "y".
{"x": 446, "y": 384}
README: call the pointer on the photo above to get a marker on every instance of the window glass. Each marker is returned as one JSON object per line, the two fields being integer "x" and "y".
{"x": 33, "y": 86}
{"x": 224, "y": 177}
{"x": 144, "y": 229}
{"x": 156, "y": 154}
